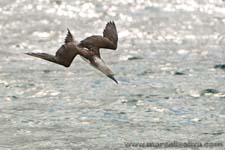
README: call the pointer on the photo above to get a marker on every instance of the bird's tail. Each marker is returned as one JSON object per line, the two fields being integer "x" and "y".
{"x": 44, "y": 56}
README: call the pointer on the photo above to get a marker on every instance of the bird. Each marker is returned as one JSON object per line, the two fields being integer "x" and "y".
{"x": 88, "y": 49}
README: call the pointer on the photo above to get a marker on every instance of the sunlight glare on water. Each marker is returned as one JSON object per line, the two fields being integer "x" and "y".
{"x": 169, "y": 64}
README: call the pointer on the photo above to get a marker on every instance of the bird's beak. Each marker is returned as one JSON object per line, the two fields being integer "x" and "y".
{"x": 112, "y": 77}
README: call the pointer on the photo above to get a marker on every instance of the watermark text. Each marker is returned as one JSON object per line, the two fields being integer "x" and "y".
{"x": 174, "y": 144}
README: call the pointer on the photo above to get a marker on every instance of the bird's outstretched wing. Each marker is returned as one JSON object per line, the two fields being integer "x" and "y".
{"x": 108, "y": 40}
{"x": 64, "y": 55}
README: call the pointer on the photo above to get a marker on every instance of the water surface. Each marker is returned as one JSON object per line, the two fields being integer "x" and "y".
{"x": 169, "y": 88}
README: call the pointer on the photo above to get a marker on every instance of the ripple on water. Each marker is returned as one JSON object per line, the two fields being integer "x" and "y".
{"x": 164, "y": 64}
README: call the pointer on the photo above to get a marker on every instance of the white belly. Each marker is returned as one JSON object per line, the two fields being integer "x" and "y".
{"x": 100, "y": 65}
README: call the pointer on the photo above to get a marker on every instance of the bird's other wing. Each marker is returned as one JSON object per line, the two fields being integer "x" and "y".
{"x": 69, "y": 37}
{"x": 64, "y": 55}
{"x": 108, "y": 40}
{"x": 110, "y": 33}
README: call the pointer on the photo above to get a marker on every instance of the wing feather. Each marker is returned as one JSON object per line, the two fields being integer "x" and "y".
{"x": 69, "y": 37}
{"x": 109, "y": 39}
{"x": 63, "y": 56}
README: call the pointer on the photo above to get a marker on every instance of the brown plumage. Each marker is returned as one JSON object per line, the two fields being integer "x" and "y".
{"x": 87, "y": 49}
{"x": 108, "y": 40}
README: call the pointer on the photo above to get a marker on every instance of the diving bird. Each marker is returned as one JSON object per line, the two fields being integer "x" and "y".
{"x": 88, "y": 49}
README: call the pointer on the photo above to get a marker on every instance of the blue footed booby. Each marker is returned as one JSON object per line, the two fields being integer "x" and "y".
{"x": 88, "y": 49}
